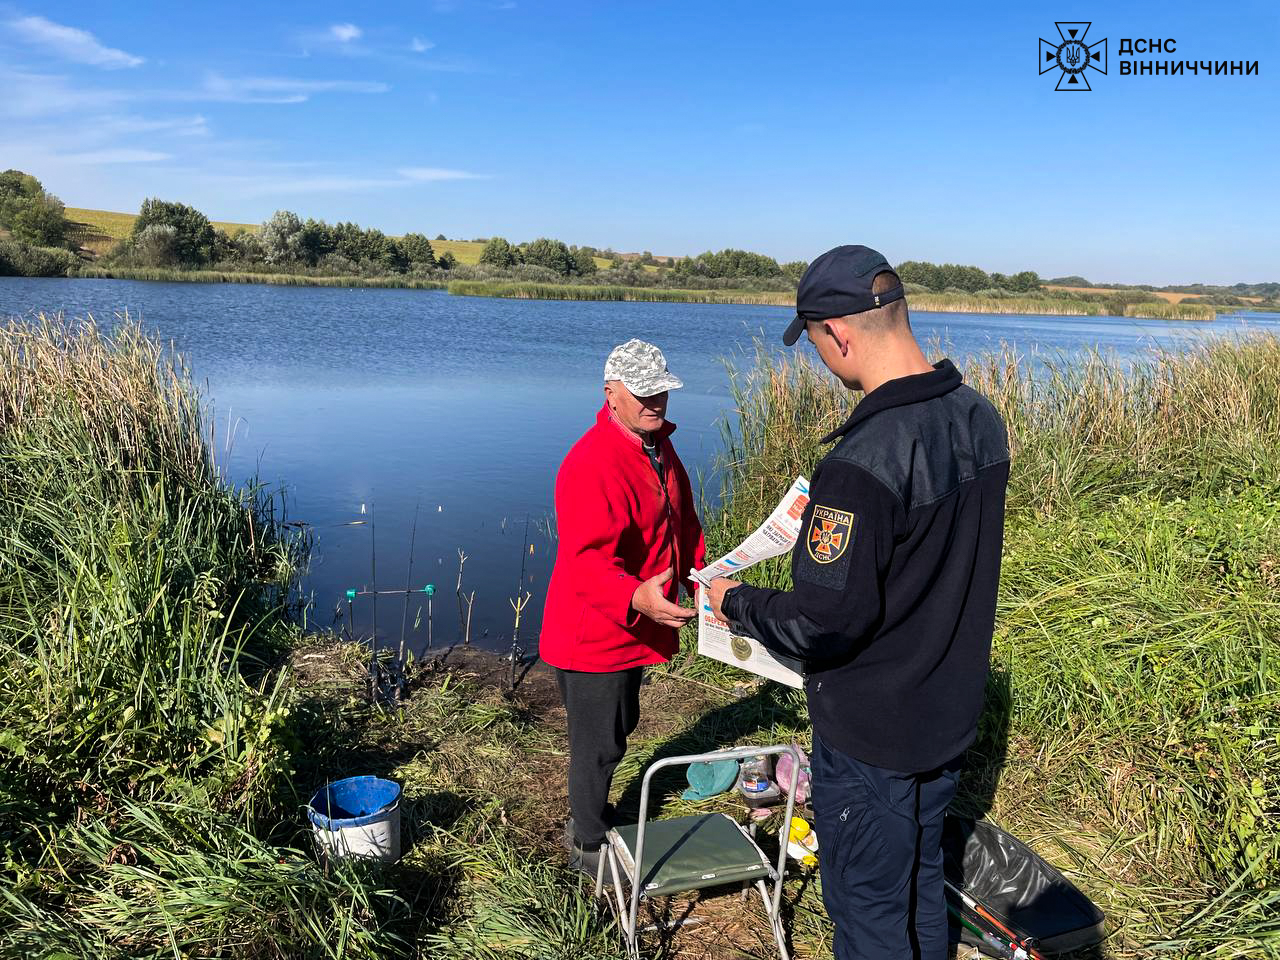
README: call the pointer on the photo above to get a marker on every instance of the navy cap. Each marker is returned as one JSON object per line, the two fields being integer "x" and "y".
{"x": 837, "y": 284}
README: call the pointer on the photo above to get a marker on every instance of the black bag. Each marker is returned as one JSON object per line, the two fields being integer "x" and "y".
{"x": 1025, "y": 895}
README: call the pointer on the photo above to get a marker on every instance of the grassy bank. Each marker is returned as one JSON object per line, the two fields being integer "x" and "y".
{"x": 146, "y": 739}
{"x": 173, "y": 275}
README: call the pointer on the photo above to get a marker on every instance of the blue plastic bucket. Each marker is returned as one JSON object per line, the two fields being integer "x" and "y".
{"x": 357, "y": 817}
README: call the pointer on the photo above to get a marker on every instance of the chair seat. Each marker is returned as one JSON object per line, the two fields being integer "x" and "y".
{"x": 689, "y": 853}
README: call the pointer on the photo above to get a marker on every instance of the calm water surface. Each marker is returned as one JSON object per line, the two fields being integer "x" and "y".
{"x": 463, "y": 408}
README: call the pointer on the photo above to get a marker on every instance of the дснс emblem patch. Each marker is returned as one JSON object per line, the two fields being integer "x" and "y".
{"x": 830, "y": 533}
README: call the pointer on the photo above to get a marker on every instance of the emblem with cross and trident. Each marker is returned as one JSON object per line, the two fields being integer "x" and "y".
{"x": 1073, "y": 56}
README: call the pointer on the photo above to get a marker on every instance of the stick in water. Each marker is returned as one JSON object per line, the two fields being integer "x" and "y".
{"x": 404, "y": 617}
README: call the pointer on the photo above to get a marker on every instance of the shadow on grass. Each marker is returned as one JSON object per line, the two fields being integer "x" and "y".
{"x": 984, "y": 762}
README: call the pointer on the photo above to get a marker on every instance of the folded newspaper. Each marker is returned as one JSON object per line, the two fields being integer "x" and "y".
{"x": 776, "y": 536}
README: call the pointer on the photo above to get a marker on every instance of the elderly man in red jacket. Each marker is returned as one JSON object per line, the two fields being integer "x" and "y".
{"x": 629, "y": 535}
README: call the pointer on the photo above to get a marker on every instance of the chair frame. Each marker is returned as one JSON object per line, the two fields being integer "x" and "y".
{"x": 628, "y": 912}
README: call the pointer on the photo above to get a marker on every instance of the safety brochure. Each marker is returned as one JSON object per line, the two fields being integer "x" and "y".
{"x": 776, "y": 536}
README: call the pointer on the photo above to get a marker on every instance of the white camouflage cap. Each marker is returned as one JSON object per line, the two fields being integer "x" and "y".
{"x": 641, "y": 367}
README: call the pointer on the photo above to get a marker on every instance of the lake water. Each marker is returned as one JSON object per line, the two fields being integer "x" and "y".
{"x": 461, "y": 408}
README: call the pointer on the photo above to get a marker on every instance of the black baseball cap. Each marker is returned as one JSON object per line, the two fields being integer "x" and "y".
{"x": 837, "y": 284}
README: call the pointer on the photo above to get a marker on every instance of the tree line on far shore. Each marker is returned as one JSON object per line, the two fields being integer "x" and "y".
{"x": 36, "y": 239}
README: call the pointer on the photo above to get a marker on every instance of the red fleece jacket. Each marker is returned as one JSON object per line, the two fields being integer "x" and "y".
{"x": 617, "y": 529}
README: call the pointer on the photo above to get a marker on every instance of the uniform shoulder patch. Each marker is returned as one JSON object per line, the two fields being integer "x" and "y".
{"x": 830, "y": 533}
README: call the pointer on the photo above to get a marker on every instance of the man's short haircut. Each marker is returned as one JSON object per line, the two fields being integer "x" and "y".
{"x": 892, "y": 316}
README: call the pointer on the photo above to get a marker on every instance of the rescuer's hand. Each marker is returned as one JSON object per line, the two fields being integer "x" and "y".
{"x": 715, "y": 594}
{"x": 649, "y": 600}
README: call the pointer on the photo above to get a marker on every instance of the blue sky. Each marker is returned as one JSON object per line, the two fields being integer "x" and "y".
{"x": 921, "y": 129}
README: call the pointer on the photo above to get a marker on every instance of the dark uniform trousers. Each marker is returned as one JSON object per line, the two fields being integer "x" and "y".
{"x": 881, "y": 853}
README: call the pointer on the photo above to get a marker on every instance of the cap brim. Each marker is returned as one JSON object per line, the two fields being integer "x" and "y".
{"x": 648, "y": 388}
{"x": 793, "y": 332}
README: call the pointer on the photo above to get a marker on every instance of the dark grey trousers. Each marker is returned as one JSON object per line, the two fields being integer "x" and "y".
{"x": 603, "y": 710}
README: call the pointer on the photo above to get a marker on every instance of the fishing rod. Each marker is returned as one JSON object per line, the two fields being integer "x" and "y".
{"x": 1004, "y": 951}
{"x": 1024, "y": 945}
{"x": 373, "y": 580}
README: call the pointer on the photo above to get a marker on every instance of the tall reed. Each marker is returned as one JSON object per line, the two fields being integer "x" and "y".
{"x": 144, "y": 737}
{"x": 583, "y": 291}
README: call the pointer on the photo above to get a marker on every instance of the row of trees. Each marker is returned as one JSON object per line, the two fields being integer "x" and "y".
{"x": 737, "y": 263}
{"x": 554, "y": 255}
{"x": 953, "y": 276}
{"x": 169, "y": 234}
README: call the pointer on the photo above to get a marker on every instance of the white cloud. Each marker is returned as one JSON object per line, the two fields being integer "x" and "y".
{"x": 278, "y": 89}
{"x": 70, "y": 43}
{"x": 115, "y": 155}
{"x": 340, "y": 183}
{"x": 322, "y": 184}
{"x": 195, "y": 126}
{"x": 420, "y": 46}
{"x": 39, "y": 95}
{"x": 345, "y": 32}
{"x": 433, "y": 174}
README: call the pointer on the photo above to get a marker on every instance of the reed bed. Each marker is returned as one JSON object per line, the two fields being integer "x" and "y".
{"x": 173, "y": 275}
{"x": 144, "y": 739}
{"x": 583, "y": 291}
{"x": 1034, "y": 306}
{"x": 1131, "y": 733}
{"x": 1160, "y": 310}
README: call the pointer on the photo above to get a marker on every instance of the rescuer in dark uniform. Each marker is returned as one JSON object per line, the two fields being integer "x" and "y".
{"x": 893, "y": 605}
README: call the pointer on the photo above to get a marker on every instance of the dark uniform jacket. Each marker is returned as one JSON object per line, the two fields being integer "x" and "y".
{"x": 895, "y": 574}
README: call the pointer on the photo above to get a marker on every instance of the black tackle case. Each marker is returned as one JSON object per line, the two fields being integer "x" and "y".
{"x": 1006, "y": 878}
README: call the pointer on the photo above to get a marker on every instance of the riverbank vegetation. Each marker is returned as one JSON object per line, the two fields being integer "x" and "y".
{"x": 1241, "y": 296}
{"x": 938, "y": 302}
{"x": 145, "y": 739}
{"x": 566, "y": 291}
{"x": 168, "y": 240}
{"x": 172, "y": 275}
{"x": 163, "y": 718}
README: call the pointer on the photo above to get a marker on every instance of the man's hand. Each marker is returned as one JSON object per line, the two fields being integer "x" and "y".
{"x": 715, "y": 594}
{"x": 649, "y": 600}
